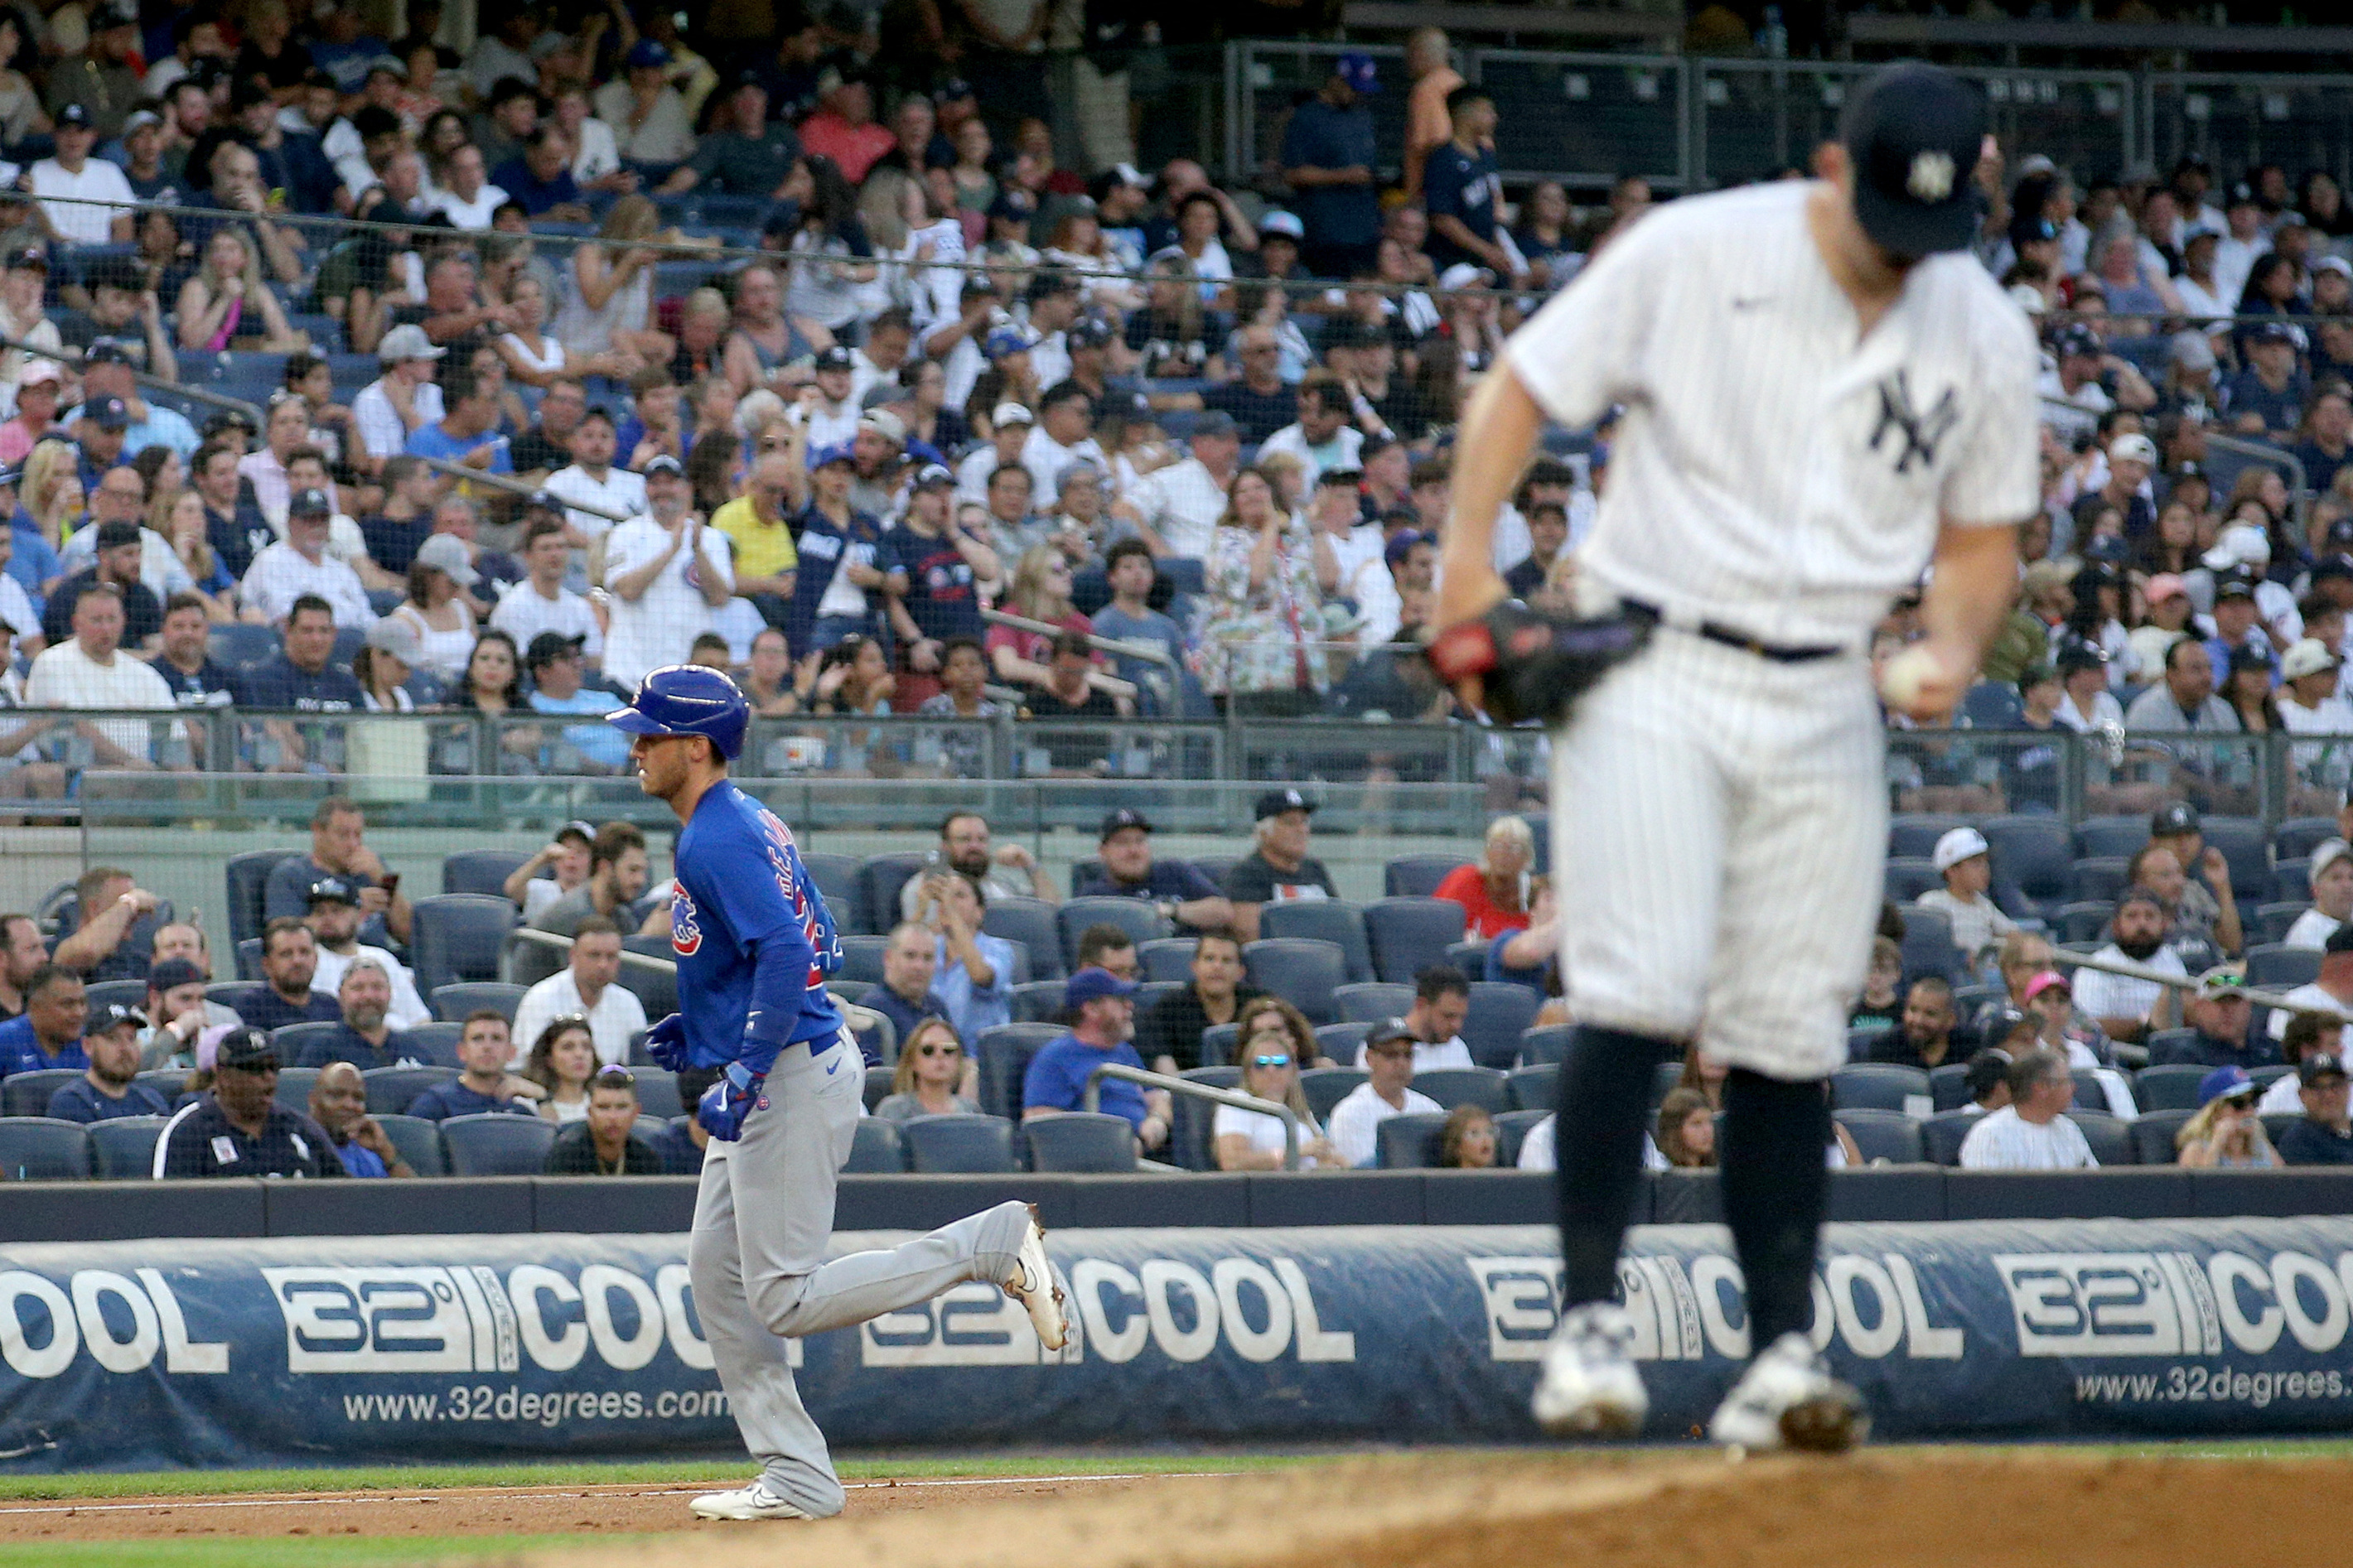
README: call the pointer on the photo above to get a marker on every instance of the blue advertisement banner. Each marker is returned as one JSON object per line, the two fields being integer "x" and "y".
{"x": 157, "y": 1353}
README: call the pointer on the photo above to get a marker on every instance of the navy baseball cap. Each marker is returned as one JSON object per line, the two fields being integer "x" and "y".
{"x": 2167, "y": 821}
{"x": 1094, "y": 981}
{"x": 1915, "y": 131}
{"x": 106, "y": 350}
{"x": 111, "y": 414}
{"x": 662, "y": 463}
{"x": 308, "y": 503}
{"x": 75, "y": 117}
{"x": 1356, "y": 69}
{"x": 834, "y": 358}
{"x": 113, "y": 1016}
{"x": 173, "y": 973}
{"x": 1275, "y": 801}
{"x": 1126, "y": 816}
{"x": 333, "y": 890}
{"x": 247, "y": 1050}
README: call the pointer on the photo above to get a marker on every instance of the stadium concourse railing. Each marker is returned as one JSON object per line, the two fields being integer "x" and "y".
{"x": 1144, "y": 1077}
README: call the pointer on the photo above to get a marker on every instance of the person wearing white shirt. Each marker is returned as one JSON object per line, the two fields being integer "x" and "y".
{"x": 2031, "y": 1133}
{"x": 1252, "y": 1140}
{"x": 2086, "y": 706}
{"x": 334, "y": 922}
{"x": 1355, "y": 1123}
{"x": 2308, "y": 700}
{"x": 468, "y": 199}
{"x": 1965, "y": 861}
{"x": 590, "y": 479}
{"x": 404, "y": 398}
{"x": 1540, "y": 1150}
{"x": 2331, "y": 881}
{"x": 2128, "y": 1009}
{"x": 1433, "y": 1024}
{"x": 91, "y": 671}
{"x": 1009, "y": 425}
{"x": 299, "y": 563}
{"x": 649, "y": 118}
{"x": 1176, "y": 507}
{"x": 541, "y": 603}
{"x": 2245, "y": 242}
{"x": 1061, "y": 438}
{"x": 1350, "y": 557}
{"x": 670, "y": 576}
{"x": 66, "y": 184}
{"x": 1322, "y": 436}
{"x": 589, "y": 986}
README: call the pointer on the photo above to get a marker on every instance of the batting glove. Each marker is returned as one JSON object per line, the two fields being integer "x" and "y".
{"x": 727, "y": 1103}
{"x": 666, "y": 1043}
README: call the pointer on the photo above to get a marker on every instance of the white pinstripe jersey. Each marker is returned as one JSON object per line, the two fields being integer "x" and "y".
{"x": 1771, "y": 473}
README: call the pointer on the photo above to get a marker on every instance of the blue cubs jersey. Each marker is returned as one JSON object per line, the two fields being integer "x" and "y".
{"x": 754, "y": 940}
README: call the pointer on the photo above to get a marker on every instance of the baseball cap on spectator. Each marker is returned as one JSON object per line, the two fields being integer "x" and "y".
{"x": 113, "y": 1016}
{"x": 1013, "y": 204}
{"x": 1356, "y": 69}
{"x": 1913, "y": 133}
{"x": 833, "y": 357}
{"x": 115, "y": 535}
{"x": 2172, "y": 820}
{"x": 446, "y": 552}
{"x": 1282, "y": 222}
{"x": 397, "y": 636}
{"x": 2164, "y": 586}
{"x": 1462, "y": 275}
{"x": 584, "y": 831}
{"x": 1390, "y": 1032}
{"x": 1096, "y": 981}
{"x": 2229, "y": 1082}
{"x": 1006, "y": 414}
{"x": 1991, "y": 1066}
{"x": 41, "y": 372}
{"x": 309, "y": 503}
{"x": 2308, "y": 655}
{"x": 2232, "y": 584}
{"x": 838, "y": 452}
{"x": 1217, "y": 422}
{"x": 1124, "y": 817}
{"x": 2076, "y": 654}
{"x": 1088, "y": 332}
{"x": 331, "y": 890}
{"x": 885, "y": 424}
{"x": 2271, "y": 332}
{"x": 932, "y": 476}
{"x": 1958, "y": 844}
{"x": 1351, "y": 477}
{"x": 106, "y": 350}
{"x": 1402, "y": 545}
{"x": 2240, "y": 545}
{"x": 236, "y": 419}
{"x": 2319, "y": 1068}
{"x": 247, "y": 1050}
{"x": 74, "y": 116}
{"x": 2133, "y": 447}
{"x": 1012, "y": 338}
{"x": 955, "y": 90}
{"x": 646, "y": 53}
{"x": 406, "y": 342}
{"x": 548, "y": 646}
{"x": 2079, "y": 339}
{"x": 2045, "y": 981}
{"x": 2327, "y": 853}
{"x": 110, "y": 413}
{"x": 543, "y": 500}
{"x": 1275, "y": 801}
{"x": 664, "y": 463}
{"x": 174, "y": 973}
{"x": 28, "y": 256}
{"x": 2339, "y": 537}
{"x": 2336, "y": 264}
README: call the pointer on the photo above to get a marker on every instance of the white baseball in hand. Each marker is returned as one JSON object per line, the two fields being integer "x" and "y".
{"x": 1907, "y": 674}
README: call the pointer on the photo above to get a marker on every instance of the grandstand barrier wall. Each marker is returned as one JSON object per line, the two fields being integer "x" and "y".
{"x": 220, "y": 1352}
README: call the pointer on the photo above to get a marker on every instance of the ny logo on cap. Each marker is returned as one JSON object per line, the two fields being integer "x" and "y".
{"x": 1931, "y": 179}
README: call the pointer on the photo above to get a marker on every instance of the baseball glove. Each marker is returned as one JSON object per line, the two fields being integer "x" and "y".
{"x": 1532, "y": 665}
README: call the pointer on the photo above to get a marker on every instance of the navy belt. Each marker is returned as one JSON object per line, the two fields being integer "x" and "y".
{"x": 1732, "y": 637}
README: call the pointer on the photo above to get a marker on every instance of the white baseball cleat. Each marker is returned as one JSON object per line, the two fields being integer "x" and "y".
{"x": 754, "y": 1501}
{"x": 1788, "y": 1399}
{"x": 1588, "y": 1386}
{"x": 1032, "y": 1284}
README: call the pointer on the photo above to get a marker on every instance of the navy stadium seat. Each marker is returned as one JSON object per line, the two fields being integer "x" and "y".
{"x": 1218, "y": 1042}
{"x": 481, "y": 871}
{"x": 1189, "y": 1138}
{"x": 1928, "y": 945}
{"x": 977, "y": 1145}
{"x": 1040, "y": 1001}
{"x": 1501, "y": 1012}
{"x": 496, "y": 1144}
{"x": 1549, "y": 1043}
{"x": 2298, "y": 837}
{"x": 1418, "y": 876}
{"x": 655, "y": 985}
{"x": 1303, "y": 971}
{"x": 2290, "y": 880}
{"x": 861, "y": 958}
{"x": 130, "y": 994}
{"x": 28, "y": 1093}
{"x": 1949, "y": 1086}
{"x": 1138, "y": 919}
{"x": 880, "y": 877}
{"x": 435, "y": 1042}
{"x": 878, "y": 1087}
{"x": 1003, "y": 1054}
{"x": 2273, "y": 920}
{"x": 2120, "y": 836}
{"x": 2032, "y": 856}
{"x": 1081, "y": 1144}
{"x": 1450, "y": 1087}
{"x": 1941, "y": 1135}
{"x": 2110, "y": 1138}
{"x": 1536, "y": 1088}
{"x": 417, "y": 1141}
{"x": 1409, "y": 1142}
{"x": 1407, "y": 935}
{"x": 1876, "y": 1086}
{"x": 1340, "y": 1041}
{"x": 1324, "y": 1088}
{"x": 1991, "y": 705}
{"x": 1373, "y": 1003}
{"x": 2083, "y": 921}
{"x": 875, "y": 1148}
{"x": 1168, "y": 958}
{"x": 43, "y": 1149}
{"x": 392, "y": 1090}
{"x": 1322, "y": 919}
{"x": 658, "y": 1092}
{"x": 2246, "y": 844}
{"x": 1913, "y": 836}
{"x": 452, "y": 1004}
{"x": 2100, "y": 878}
{"x": 457, "y": 936}
{"x": 237, "y": 994}
{"x": 1512, "y": 1130}
{"x": 836, "y": 877}
{"x": 1888, "y": 1135}
{"x": 1469, "y": 955}
{"x": 123, "y": 1149}
{"x": 249, "y": 878}
{"x": 1029, "y": 923}
{"x": 2171, "y": 1087}
{"x": 2278, "y": 968}
{"x": 2153, "y": 1133}
{"x": 294, "y": 1086}
{"x": 1906, "y": 879}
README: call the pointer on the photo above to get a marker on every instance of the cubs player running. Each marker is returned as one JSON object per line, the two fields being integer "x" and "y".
{"x": 754, "y": 944}
{"x": 1822, "y": 394}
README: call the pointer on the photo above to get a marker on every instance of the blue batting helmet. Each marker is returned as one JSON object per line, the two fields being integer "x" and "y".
{"x": 688, "y": 699}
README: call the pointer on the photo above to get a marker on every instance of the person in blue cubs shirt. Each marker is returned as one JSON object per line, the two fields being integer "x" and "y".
{"x": 1102, "y": 1007}
{"x": 754, "y": 943}
{"x": 480, "y": 1088}
{"x": 108, "y": 1089}
{"x": 49, "y": 1033}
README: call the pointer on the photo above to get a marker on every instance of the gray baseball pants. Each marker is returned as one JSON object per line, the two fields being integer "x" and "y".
{"x": 757, "y": 1259}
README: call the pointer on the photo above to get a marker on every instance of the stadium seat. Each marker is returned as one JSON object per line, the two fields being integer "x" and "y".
{"x": 2152, "y": 1136}
{"x": 2246, "y": 844}
{"x": 1303, "y": 971}
{"x": 1213, "y": 867}
{"x": 1154, "y": 990}
{"x": 1928, "y": 945}
{"x": 1512, "y": 1130}
{"x": 457, "y": 936}
{"x": 877, "y": 1036}
{"x": 1501, "y": 1012}
{"x": 169, "y": 1082}
{"x": 880, "y": 877}
{"x": 2083, "y": 921}
{"x": 655, "y": 985}
{"x": 1913, "y": 836}
{"x": 2272, "y": 967}
{"x": 2298, "y": 837}
{"x": 861, "y": 958}
{"x": 2090, "y": 1094}
{"x": 1040, "y": 1001}
{"x": 43, "y": 1149}
{"x": 1883, "y": 1135}
{"x": 1325, "y": 919}
{"x": 237, "y": 994}
{"x": 1949, "y": 1086}
{"x": 1138, "y": 919}
{"x": 2034, "y": 856}
{"x": 1418, "y": 876}
{"x": 2120, "y": 836}
{"x": 240, "y": 646}
{"x": 436, "y": 1041}
{"x": 1003, "y": 1054}
{"x": 1547, "y": 1043}
{"x": 1029, "y": 923}
{"x": 850, "y": 991}
{"x": 658, "y": 1092}
{"x": 1189, "y": 1138}
{"x": 248, "y": 874}
{"x": 1450, "y": 1087}
{"x": 122, "y": 993}
{"x": 2273, "y": 920}
{"x": 523, "y": 960}
{"x": 836, "y": 877}
{"x": 1324, "y": 1088}
{"x": 1096, "y": 1145}
{"x": 1941, "y": 1135}
{"x": 2099, "y": 879}
{"x": 974, "y": 1145}
{"x": 1878, "y": 1086}
{"x": 2110, "y": 1137}
{"x": 875, "y": 1149}
{"x": 417, "y": 1141}
{"x": 1372, "y": 1004}
{"x": 1408, "y": 1142}
{"x": 294, "y": 1087}
{"x": 1536, "y": 1088}
{"x": 483, "y": 871}
{"x": 1407, "y": 935}
{"x": 1169, "y": 958}
{"x": 2168, "y": 1086}
{"x": 878, "y": 1087}
{"x": 28, "y": 1093}
{"x": 1340, "y": 1041}
{"x": 1469, "y": 955}
{"x": 1903, "y": 880}
{"x": 1991, "y": 705}
{"x": 2291, "y": 881}
{"x": 497, "y": 1144}
{"x": 124, "y": 1149}
{"x": 1218, "y": 1042}
{"x": 2279, "y": 1122}
{"x": 392, "y": 1090}
{"x": 1665, "y": 1077}
{"x": 452, "y": 1004}
{"x": 1082, "y": 870}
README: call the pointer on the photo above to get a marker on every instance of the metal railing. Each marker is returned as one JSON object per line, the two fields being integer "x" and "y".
{"x": 1233, "y": 1096}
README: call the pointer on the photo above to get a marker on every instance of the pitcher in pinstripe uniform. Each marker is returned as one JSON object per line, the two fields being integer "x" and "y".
{"x": 1824, "y": 393}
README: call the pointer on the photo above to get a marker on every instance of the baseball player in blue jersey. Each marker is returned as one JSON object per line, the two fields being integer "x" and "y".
{"x": 755, "y": 945}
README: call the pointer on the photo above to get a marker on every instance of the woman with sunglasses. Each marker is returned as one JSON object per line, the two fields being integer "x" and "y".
{"x": 2226, "y": 1132}
{"x": 1267, "y": 1023}
{"x": 1252, "y": 1140}
{"x": 930, "y": 1071}
{"x": 561, "y": 1061}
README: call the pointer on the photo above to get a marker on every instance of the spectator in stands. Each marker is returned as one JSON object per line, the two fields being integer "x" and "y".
{"x": 587, "y": 986}
{"x": 2128, "y": 1009}
{"x": 2332, "y": 992}
{"x": 339, "y": 1105}
{"x": 364, "y": 1036}
{"x": 909, "y": 961}
{"x": 1271, "y": 1024}
{"x": 482, "y": 1086}
{"x": 615, "y": 887}
{"x": 948, "y": 565}
{"x": 2205, "y": 907}
{"x": 1102, "y": 1007}
{"x": 107, "y": 369}
{"x": 2184, "y": 701}
{"x": 2331, "y": 880}
{"x": 22, "y": 951}
{"x": 334, "y": 920}
{"x": 235, "y": 525}
{"x": 668, "y": 574}
{"x": 116, "y": 562}
{"x": 604, "y": 1143}
{"x": 1263, "y": 610}
{"x": 339, "y": 848}
{"x": 1880, "y": 1006}
{"x": 541, "y": 606}
{"x": 972, "y": 971}
{"x": 1387, "y": 1056}
{"x": 2308, "y": 1035}
{"x": 1925, "y": 1037}
{"x": 928, "y": 1080}
{"x": 1278, "y": 867}
{"x": 561, "y": 1062}
{"x": 468, "y": 431}
{"x": 1684, "y": 1132}
{"x": 184, "y": 659}
{"x": 1128, "y": 869}
{"x": 2324, "y": 1135}
{"x": 299, "y": 567}
{"x": 1003, "y": 871}
{"x": 2225, "y": 1133}
{"x": 178, "y": 1014}
{"x": 1252, "y": 1140}
{"x": 290, "y": 957}
{"x": 90, "y": 669}
{"x": 67, "y": 185}
{"x": 2308, "y": 704}
{"x": 108, "y": 1086}
{"x": 1175, "y": 508}
{"x": 1493, "y": 889}
{"x": 49, "y": 1033}
{"x": 1129, "y": 618}
{"x": 1170, "y": 1033}
{"x": 1328, "y": 157}
{"x": 1442, "y": 1000}
{"x": 2219, "y": 1019}
{"x": 116, "y": 930}
{"x": 1467, "y": 1141}
{"x": 555, "y": 868}
{"x": 239, "y": 1129}
{"x": 554, "y": 664}
{"x": 1966, "y": 862}
{"x": 845, "y": 564}
{"x": 2031, "y": 1133}
{"x": 405, "y": 398}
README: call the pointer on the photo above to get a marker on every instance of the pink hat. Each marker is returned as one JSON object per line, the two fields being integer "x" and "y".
{"x": 2164, "y": 586}
{"x": 2045, "y": 982}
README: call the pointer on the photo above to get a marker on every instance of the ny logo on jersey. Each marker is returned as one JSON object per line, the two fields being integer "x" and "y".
{"x": 1921, "y": 431}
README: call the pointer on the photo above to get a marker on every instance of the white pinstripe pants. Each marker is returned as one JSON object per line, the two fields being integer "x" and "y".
{"x": 1719, "y": 825}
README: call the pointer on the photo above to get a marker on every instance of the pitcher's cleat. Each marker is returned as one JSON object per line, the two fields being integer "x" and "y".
{"x": 1788, "y": 1399}
{"x": 1588, "y": 1386}
{"x": 1032, "y": 1284}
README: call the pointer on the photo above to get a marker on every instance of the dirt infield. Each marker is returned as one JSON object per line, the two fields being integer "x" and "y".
{"x": 1953, "y": 1507}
